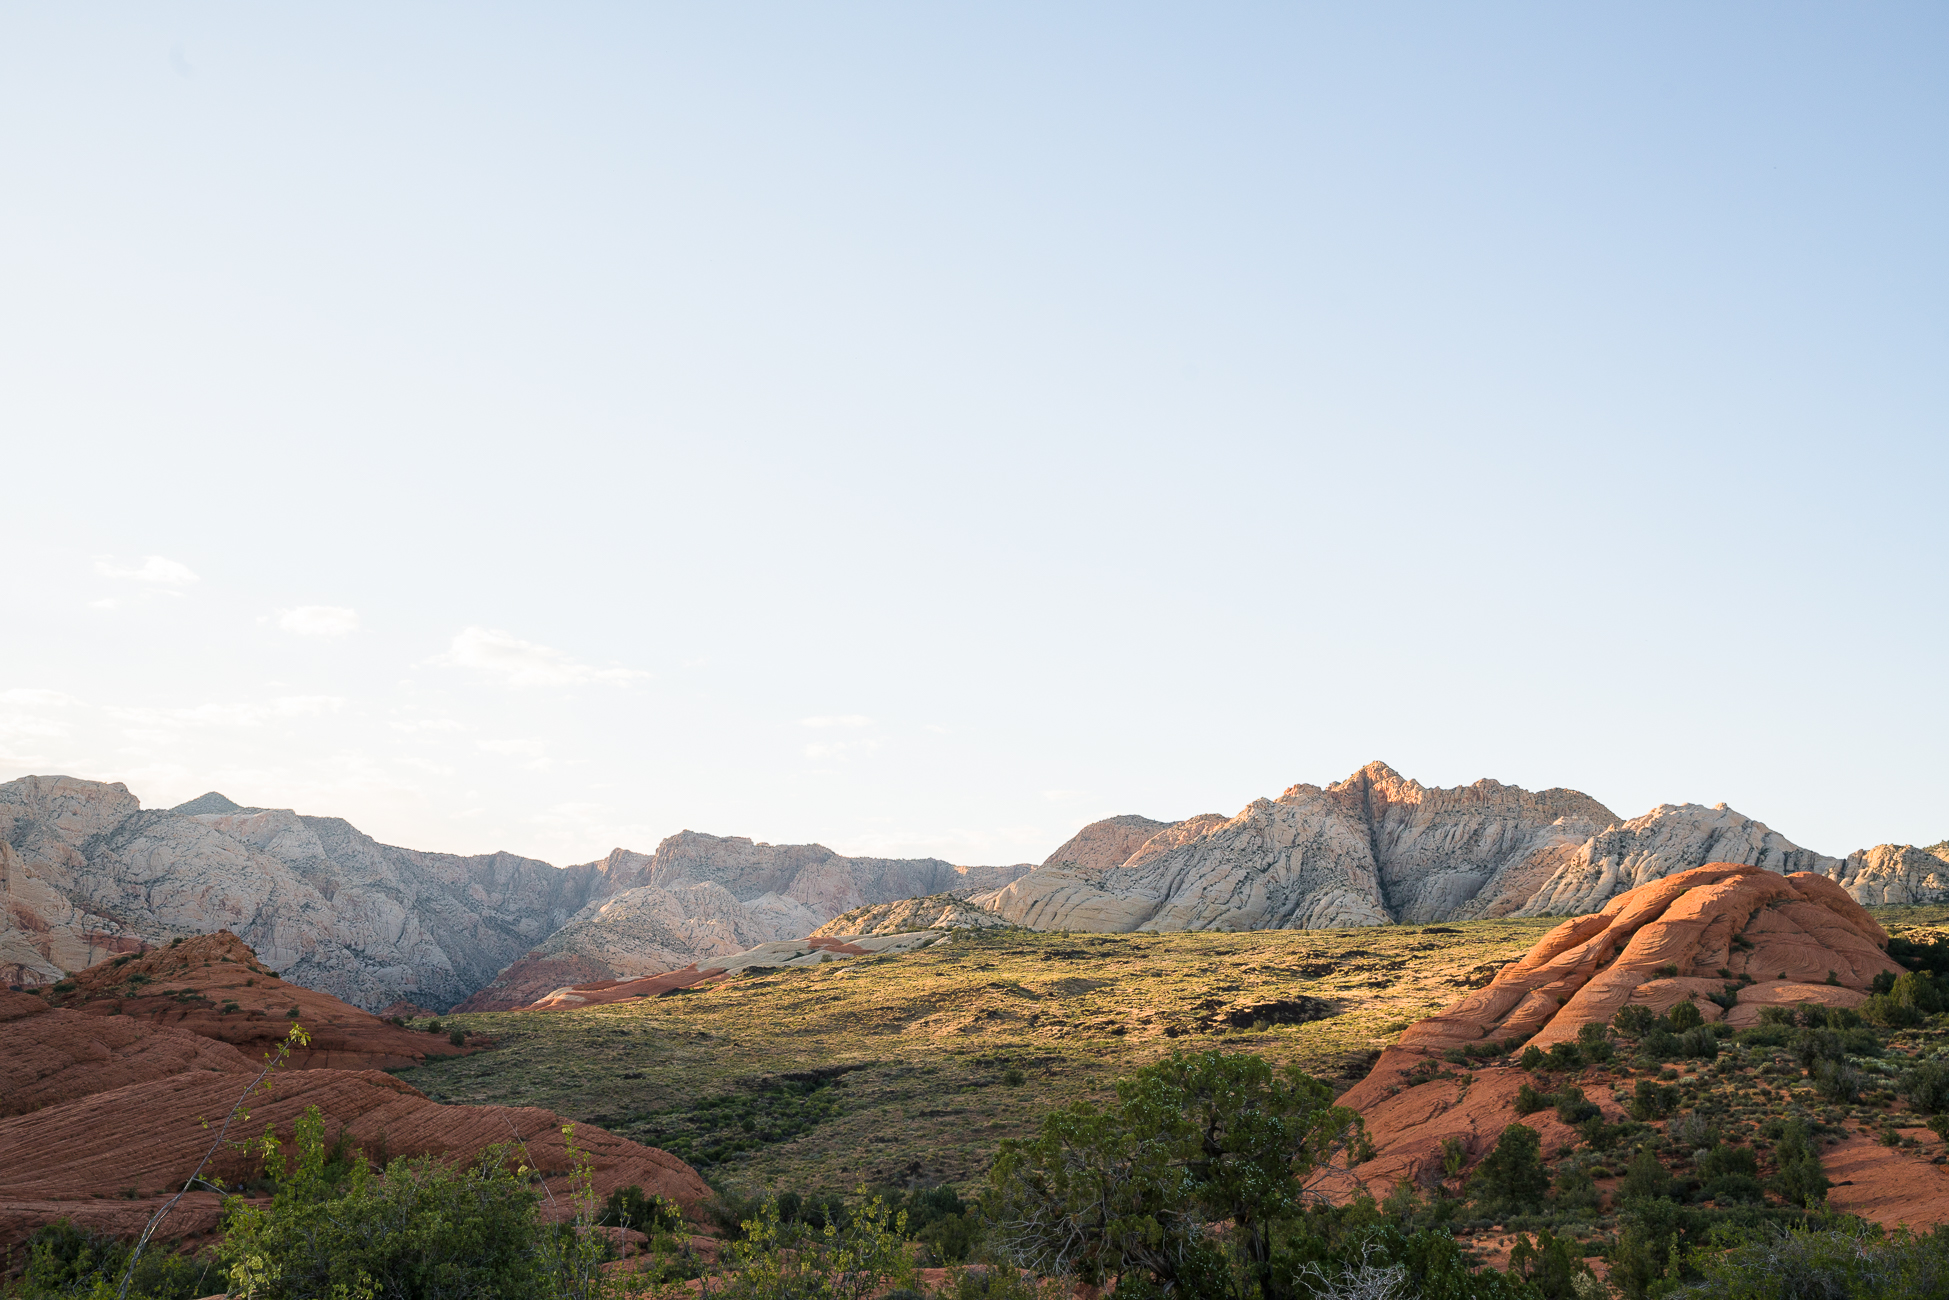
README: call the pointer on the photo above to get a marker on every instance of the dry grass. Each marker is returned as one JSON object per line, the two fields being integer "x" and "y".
{"x": 934, "y": 1040}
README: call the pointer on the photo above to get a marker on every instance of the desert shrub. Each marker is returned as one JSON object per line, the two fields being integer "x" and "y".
{"x": 1699, "y": 1043}
{"x": 1575, "y": 1192}
{"x": 1644, "y": 1177}
{"x": 940, "y": 1219}
{"x": 1731, "y": 1174}
{"x": 1666, "y": 972}
{"x": 1529, "y": 1100}
{"x": 1916, "y": 989}
{"x": 1563, "y": 1056}
{"x": 458, "y": 1038}
{"x": 64, "y": 1260}
{"x": 1602, "y": 1136}
{"x": 779, "y": 1259}
{"x": 1861, "y": 1041}
{"x": 1572, "y": 1107}
{"x": 1594, "y": 1041}
{"x": 1549, "y": 1266}
{"x": 1766, "y": 1034}
{"x": 1127, "y": 1190}
{"x": 1685, "y": 1015}
{"x": 628, "y": 1207}
{"x": 1661, "y": 1044}
{"x": 1532, "y": 1058}
{"x": 435, "y": 1027}
{"x": 1812, "y": 1046}
{"x": 1633, "y": 1021}
{"x": 1691, "y": 1131}
{"x": 1511, "y": 1178}
{"x": 1927, "y": 1087}
{"x": 1798, "y": 1179}
{"x": 1776, "y": 1016}
{"x": 1889, "y": 1012}
{"x": 421, "y": 1229}
{"x": 1651, "y": 1101}
{"x": 1837, "y": 1081}
{"x": 1852, "y": 1258}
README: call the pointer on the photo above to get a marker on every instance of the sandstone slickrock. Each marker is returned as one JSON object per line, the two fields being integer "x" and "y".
{"x": 49, "y": 1056}
{"x": 1655, "y": 945}
{"x": 214, "y": 986}
{"x": 148, "y": 1137}
{"x": 1378, "y": 847}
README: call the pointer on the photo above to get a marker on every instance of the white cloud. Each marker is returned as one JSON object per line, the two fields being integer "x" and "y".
{"x": 837, "y": 750}
{"x": 227, "y": 715}
{"x": 837, "y": 720}
{"x": 319, "y": 620}
{"x": 515, "y": 662}
{"x": 29, "y": 695}
{"x": 154, "y": 569}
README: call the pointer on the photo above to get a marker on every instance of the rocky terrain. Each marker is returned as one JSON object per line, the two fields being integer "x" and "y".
{"x": 87, "y": 873}
{"x": 936, "y": 912}
{"x": 102, "y": 1102}
{"x": 1378, "y": 847}
{"x": 1750, "y": 949}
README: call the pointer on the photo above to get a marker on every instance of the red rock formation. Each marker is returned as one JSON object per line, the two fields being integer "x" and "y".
{"x": 49, "y": 1056}
{"x": 149, "y": 1137}
{"x": 1789, "y": 934}
{"x": 214, "y": 986}
{"x": 533, "y": 978}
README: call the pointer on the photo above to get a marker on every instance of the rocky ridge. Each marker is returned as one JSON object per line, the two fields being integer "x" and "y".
{"x": 1378, "y": 847}
{"x": 936, "y": 912}
{"x": 87, "y": 873}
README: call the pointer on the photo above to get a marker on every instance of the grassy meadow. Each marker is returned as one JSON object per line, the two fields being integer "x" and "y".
{"x": 911, "y": 1069}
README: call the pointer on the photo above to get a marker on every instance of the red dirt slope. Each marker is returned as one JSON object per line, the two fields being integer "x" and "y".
{"x": 213, "y": 985}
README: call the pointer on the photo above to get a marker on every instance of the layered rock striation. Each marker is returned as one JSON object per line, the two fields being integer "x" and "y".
{"x": 1797, "y": 938}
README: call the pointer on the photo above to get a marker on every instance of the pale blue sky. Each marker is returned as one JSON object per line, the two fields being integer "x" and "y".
{"x": 924, "y": 430}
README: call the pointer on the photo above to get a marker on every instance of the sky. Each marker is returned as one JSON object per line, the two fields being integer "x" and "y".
{"x": 926, "y": 429}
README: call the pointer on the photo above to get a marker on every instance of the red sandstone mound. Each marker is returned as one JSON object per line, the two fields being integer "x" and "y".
{"x": 82, "y": 1158}
{"x": 49, "y": 1056}
{"x": 1714, "y": 924}
{"x": 214, "y": 986}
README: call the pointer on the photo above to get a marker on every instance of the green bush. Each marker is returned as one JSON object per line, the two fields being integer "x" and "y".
{"x": 1594, "y": 1041}
{"x": 628, "y": 1207}
{"x": 1886, "y": 1010}
{"x": 1838, "y": 1081}
{"x": 779, "y": 1259}
{"x": 1511, "y": 1178}
{"x": 1529, "y": 1100}
{"x": 1634, "y": 1021}
{"x": 1191, "y": 1140}
{"x": 1651, "y": 1101}
{"x": 420, "y": 1230}
{"x": 458, "y": 1038}
{"x": 1798, "y": 1178}
{"x": 1685, "y": 1015}
{"x": 1532, "y": 1058}
{"x": 1852, "y": 1259}
{"x": 64, "y": 1260}
{"x": 1927, "y": 1087}
{"x": 1644, "y": 1177}
{"x": 1572, "y": 1107}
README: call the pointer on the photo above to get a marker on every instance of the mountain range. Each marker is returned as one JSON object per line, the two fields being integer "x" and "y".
{"x": 86, "y": 872}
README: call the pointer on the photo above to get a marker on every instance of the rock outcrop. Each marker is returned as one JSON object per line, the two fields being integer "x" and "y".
{"x": 1895, "y": 874}
{"x": 702, "y": 898}
{"x": 87, "y": 873}
{"x": 146, "y": 1138}
{"x": 1378, "y": 847}
{"x": 938, "y": 912}
{"x": 215, "y": 987}
{"x": 1663, "y": 942}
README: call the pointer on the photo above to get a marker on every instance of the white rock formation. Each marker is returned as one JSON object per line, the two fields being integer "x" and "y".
{"x": 1896, "y": 874}
{"x": 908, "y": 915}
{"x": 1378, "y": 847}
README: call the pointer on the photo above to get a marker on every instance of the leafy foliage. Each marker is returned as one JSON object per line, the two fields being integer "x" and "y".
{"x": 1511, "y": 1178}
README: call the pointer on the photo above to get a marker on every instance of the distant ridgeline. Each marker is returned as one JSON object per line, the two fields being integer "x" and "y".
{"x": 89, "y": 873}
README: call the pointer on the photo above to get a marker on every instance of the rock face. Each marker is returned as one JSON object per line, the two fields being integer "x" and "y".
{"x": 1378, "y": 847}
{"x": 1894, "y": 874}
{"x": 214, "y": 986}
{"x": 86, "y": 873}
{"x": 1790, "y": 934}
{"x": 939, "y": 912}
{"x": 701, "y": 898}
